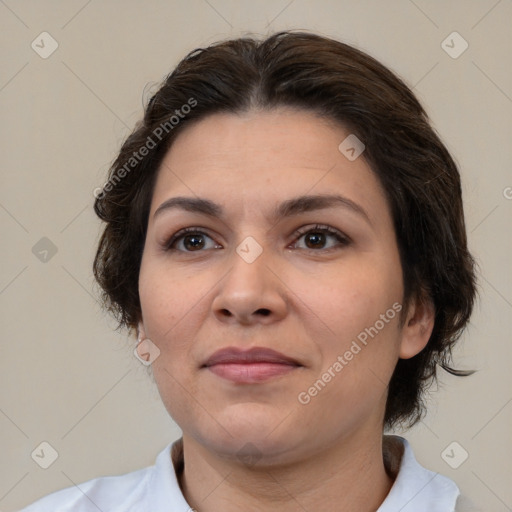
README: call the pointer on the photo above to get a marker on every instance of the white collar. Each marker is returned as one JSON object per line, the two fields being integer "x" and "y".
{"x": 156, "y": 488}
{"x": 415, "y": 489}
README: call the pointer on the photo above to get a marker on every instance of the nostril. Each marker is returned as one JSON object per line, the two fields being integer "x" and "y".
{"x": 264, "y": 312}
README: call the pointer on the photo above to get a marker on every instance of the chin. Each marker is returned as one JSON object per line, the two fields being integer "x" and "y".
{"x": 254, "y": 450}
{"x": 249, "y": 431}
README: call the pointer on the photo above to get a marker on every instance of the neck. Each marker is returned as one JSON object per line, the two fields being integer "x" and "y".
{"x": 351, "y": 476}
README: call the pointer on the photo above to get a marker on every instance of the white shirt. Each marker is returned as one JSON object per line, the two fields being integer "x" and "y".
{"x": 156, "y": 489}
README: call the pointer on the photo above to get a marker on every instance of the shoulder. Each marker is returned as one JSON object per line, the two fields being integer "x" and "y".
{"x": 103, "y": 493}
{"x": 114, "y": 493}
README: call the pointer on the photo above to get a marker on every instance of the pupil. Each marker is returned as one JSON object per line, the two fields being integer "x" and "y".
{"x": 197, "y": 241}
{"x": 316, "y": 237}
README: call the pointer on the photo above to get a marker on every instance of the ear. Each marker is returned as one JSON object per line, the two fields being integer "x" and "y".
{"x": 418, "y": 327}
{"x": 141, "y": 332}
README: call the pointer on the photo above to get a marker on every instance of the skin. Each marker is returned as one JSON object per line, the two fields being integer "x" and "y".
{"x": 305, "y": 297}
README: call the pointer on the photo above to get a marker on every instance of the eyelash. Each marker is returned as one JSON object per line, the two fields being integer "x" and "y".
{"x": 318, "y": 228}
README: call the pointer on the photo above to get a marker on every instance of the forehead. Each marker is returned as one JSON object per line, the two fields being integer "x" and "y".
{"x": 258, "y": 158}
{"x": 298, "y": 136}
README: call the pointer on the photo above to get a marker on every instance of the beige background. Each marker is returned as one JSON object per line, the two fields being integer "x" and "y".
{"x": 66, "y": 377}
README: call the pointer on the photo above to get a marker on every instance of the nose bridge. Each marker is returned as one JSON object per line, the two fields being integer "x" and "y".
{"x": 250, "y": 287}
{"x": 248, "y": 275}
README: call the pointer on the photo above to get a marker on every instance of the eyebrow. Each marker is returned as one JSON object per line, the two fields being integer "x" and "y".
{"x": 288, "y": 208}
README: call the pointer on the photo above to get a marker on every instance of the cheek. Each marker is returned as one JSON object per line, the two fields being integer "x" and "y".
{"x": 167, "y": 297}
{"x": 357, "y": 319}
{"x": 171, "y": 309}
{"x": 353, "y": 298}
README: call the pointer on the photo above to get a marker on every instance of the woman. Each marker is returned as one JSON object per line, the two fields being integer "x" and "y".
{"x": 285, "y": 234}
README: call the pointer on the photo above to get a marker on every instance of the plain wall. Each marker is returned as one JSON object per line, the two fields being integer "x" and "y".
{"x": 66, "y": 376}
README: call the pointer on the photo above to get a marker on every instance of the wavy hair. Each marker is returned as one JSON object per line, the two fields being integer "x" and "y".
{"x": 343, "y": 84}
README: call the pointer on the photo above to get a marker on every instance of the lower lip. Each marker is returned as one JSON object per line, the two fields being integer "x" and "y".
{"x": 250, "y": 372}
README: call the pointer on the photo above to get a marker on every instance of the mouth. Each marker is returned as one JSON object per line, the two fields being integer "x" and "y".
{"x": 257, "y": 364}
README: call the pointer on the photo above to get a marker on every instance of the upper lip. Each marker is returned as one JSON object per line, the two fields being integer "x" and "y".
{"x": 252, "y": 355}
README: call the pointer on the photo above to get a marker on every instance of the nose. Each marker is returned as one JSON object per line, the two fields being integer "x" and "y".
{"x": 250, "y": 293}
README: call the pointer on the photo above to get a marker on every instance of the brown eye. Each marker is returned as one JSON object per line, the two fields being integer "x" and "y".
{"x": 317, "y": 237}
{"x": 190, "y": 240}
{"x": 315, "y": 240}
{"x": 193, "y": 242}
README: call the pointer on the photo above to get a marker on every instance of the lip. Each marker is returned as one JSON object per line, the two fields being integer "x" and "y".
{"x": 250, "y": 366}
{"x": 231, "y": 355}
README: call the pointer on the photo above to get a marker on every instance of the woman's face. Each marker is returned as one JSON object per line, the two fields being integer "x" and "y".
{"x": 259, "y": 270}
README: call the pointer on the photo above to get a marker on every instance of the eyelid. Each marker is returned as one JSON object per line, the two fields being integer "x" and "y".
{"x": 322, "y": 228}
{"x": 175, "y": 237}
{"x": 342, "y": 238}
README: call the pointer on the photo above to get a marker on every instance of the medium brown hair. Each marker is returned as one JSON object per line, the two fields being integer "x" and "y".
{"x": 342, "y": 84}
